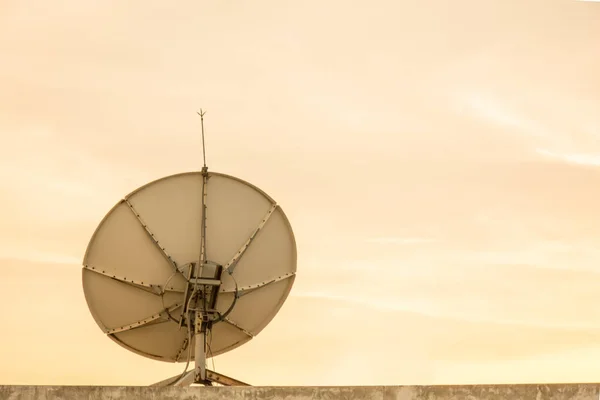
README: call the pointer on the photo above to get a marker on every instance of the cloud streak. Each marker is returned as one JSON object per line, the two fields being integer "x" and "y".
{"x": 404, "y": 241}
{"x": 587, "y": 159}
{"x": 428, "y": 308}
{"x": 33, "y": 255}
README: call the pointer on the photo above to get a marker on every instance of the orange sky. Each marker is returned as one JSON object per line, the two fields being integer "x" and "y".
{"x": 437, "y": 160}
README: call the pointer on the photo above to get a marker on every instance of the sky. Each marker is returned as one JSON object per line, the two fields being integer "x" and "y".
{"x": 439, "y": 163}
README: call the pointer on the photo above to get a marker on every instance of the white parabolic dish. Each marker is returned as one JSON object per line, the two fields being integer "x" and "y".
{"x": 135, "y": 266}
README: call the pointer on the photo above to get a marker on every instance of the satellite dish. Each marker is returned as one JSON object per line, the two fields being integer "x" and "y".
{"x": 189, "y": 266}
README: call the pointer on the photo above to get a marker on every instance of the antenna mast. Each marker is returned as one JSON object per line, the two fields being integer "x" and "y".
{"x": 204, "y": 294}
{"x": 201, "y": 114}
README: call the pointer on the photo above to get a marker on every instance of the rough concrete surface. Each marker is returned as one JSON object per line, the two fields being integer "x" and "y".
{"x": 484, "y": 392}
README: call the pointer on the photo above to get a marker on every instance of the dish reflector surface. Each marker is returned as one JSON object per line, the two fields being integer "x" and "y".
{"x": 137, "y": 262}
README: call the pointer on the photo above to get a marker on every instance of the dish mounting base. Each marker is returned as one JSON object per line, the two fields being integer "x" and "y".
{"x": 211, "y": 378}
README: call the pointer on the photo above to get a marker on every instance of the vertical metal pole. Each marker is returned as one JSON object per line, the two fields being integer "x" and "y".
{"x": 201, "y": 326}
{"x": 201, "y": 114}
{"x": 202, "y": 256}
{"x": 200, "y": 349}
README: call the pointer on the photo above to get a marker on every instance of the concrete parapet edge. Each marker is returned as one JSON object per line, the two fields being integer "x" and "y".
{"x": 587, "y": 391}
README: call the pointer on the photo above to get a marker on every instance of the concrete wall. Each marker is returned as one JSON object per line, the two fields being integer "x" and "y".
{"x": 489, "y": 392}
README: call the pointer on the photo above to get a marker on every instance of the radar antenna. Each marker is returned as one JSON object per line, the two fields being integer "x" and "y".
{"x": 156, "y": 286}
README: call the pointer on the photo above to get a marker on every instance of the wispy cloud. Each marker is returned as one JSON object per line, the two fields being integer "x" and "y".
{"x": 487, "y": 107}
{"x": 406, "y": 241}
{"x": 591, "y": 159}
{"x": 67, "y": 181}
{"x": 38, "y": 256}
{"x": 431, "y": 308}
{"x": 395, "y": 304}
{"x": 546, "y": 129}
